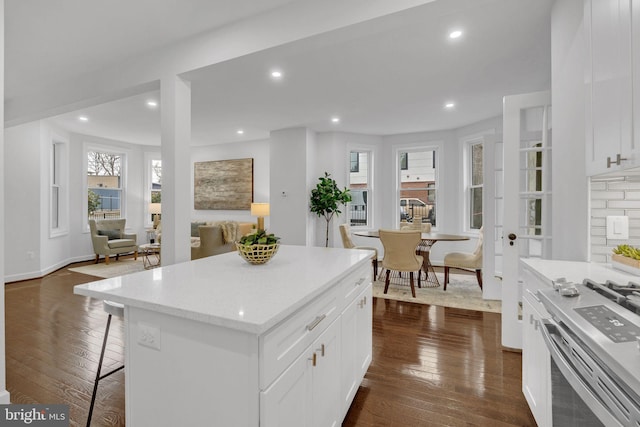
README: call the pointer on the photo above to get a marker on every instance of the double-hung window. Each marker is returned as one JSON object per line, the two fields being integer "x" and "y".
{"x": 474, "y": 184}
{"x": 418, "y": 184}
{"x": 105, "y": 183}
{"x": 360, "y": 178}
{"x": 58, "y": 190}
{"x": 154, "y": 188}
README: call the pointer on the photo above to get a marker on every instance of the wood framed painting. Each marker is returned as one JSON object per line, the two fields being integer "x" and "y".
{"x": 223, "y": 184}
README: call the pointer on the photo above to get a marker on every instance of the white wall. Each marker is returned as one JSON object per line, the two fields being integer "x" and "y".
{"x": 30, "y": 251}
{"x": 259, "y": 151}
{"x": 289, "y": 185}
{"x": 570, "y": 197}
{"x": 22, "y": 201}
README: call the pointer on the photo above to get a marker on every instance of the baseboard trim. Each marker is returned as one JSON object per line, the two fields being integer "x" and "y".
{"x": 41, "y": 273}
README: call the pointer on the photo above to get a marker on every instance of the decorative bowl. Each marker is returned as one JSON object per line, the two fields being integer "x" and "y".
{"x": 257, "y": 253}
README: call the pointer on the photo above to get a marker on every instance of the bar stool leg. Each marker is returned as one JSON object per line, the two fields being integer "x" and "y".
{"x": 95, "y": 384}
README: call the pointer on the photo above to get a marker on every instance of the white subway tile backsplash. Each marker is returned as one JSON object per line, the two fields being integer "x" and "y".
{"x": 607, "y": 195}
{"x": 623, "y": 204}
{"x": 613, "y": 198}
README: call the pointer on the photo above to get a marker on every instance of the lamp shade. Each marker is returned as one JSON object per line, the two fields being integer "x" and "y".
{"x": 260, "y": 209}
{"x": 155, "y": 208}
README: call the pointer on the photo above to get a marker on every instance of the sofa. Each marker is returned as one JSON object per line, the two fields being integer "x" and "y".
{"x": 217, "y": 237}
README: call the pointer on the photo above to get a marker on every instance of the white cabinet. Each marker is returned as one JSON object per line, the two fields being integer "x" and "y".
{"x": 536, "y": 370}
{"x": 317, "y": 387}
{"x": 356, "y": 346}
{"x": 609, "y": 138}
{"x": 307, "y": 393}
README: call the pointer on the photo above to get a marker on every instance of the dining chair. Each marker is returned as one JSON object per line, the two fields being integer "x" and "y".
{"x": 400, "y": 254}
{"x": 112, "y": 309}
{"x": 465, "y": 261}
{"x": 347, "y": 242}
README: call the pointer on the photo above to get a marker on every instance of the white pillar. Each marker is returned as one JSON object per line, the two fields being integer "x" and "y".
{"x": 4, "y": 394}
{"x": 175, "y": 102}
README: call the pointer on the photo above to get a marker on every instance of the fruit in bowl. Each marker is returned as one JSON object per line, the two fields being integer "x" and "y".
{"x": 259, "y": 247}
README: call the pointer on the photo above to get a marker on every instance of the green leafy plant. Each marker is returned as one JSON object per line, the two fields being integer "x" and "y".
{"x": 93, "y": 201}
{"x": 326, "y": 199}
{"x": 627, "y": 251}
{"x": 259, "y": 238}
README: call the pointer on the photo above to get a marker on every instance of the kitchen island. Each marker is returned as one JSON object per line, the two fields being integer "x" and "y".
{"x": 217, "y": 341}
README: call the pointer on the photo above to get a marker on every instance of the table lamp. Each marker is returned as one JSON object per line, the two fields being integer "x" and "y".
{"x": 260, "y": 210}
{"x": 155, "y": 209}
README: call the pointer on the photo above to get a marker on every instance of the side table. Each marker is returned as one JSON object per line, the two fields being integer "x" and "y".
{"x": 150, "y": 255}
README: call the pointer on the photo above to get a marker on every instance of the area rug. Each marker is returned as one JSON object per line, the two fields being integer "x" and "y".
{"x": 462, "y": 292}
{"x": 115, "y": 268}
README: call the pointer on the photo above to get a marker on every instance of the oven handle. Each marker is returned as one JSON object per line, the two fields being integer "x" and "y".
{"x": 574, "y": 379}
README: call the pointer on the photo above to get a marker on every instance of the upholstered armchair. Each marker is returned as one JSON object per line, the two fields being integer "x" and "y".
{"x": 211, "y": 242}
{"x": 465, "y": 261}
{"x": 345, "y": 233}
{"x": 109, "y": 238}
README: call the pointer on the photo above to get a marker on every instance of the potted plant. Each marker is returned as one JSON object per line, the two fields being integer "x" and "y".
{"x": 626, "y": 258}
{"x": 258, "y": 247}
{"x": 326, "y": 199}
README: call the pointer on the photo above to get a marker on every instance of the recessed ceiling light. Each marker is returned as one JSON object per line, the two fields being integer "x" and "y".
{"x": 455, "y": 34}
{"x": 335, "y": 119}
{"x": 240, "y": 132}
{"x": 152, "y": 104}
{"x": 276, "y": 74}
{"x": 83, "y": 118}
{"x": 449, "y": 105}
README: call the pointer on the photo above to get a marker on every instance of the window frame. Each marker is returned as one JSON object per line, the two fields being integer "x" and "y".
{"x": 369, "y": 188}
{"x": 123, "y": 153}
{"x": 469, "y": 143}
{"x": 58, "y": 187}
{"x": 150, "y": 157}
{"x": 436, "y": 163}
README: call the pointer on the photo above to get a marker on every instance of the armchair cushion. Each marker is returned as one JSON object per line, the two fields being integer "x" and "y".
{"x": 111, "y": 234}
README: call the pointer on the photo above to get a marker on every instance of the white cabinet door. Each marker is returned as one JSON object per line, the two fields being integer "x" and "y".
{"x": 535, "y": 364}
{"x": 608, "y": 96}
{"x": 308, "y": 392}
{"x": 326, "y": 378}
{"x": 356, "y": 346}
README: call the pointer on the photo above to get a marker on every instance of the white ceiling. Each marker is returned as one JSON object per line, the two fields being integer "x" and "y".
{"x": 386, "y": 76}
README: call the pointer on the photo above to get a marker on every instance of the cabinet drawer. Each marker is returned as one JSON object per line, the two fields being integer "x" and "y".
{"x": 281, "y": 346}
{"x": 355, "y": 283}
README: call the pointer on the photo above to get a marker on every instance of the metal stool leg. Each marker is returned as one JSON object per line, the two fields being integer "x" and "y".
{"x": 98, "y": 377}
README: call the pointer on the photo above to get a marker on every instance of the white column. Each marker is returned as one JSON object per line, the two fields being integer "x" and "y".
{"x": 175, "y": 102}
{"x": 4, "y": 394}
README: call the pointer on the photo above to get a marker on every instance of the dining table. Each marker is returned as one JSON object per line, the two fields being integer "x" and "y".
{"x": 427, "y": 240}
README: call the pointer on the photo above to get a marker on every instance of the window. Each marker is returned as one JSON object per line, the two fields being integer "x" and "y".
{"x": 104, "y": 184}
{"x": 355, "y": 162}
{"x": 475, "y": 182}
{"x": 360, "y": 188}
{"x": 58, "y": 189}
{"x": 404, "y": 161}
{"x": 154, "y": 186}
{"x": 418, "y": 185}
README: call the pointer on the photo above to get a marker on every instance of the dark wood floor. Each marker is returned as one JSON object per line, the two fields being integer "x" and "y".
{"x": 432, "y": 366}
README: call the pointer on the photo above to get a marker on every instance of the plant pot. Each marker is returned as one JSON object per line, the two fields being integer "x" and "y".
{"x": 627, "y": 264}
{"x": 257, "y": 254}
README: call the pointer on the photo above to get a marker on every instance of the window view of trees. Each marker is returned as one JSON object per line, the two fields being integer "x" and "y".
{"x": 104, "y": 183}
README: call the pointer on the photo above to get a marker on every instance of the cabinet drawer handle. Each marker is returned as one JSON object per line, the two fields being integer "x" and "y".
{"x": 321, "y": 350}
{"x": 315, "y": 323}
{"x": 359, "y": 282}
{"x": 362, "y": 302}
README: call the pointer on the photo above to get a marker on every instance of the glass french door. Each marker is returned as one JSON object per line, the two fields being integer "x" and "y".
{"x": 526, "y": 204}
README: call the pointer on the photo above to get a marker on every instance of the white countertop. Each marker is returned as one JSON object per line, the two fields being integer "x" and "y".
{"x": 227, "y": 291}
{"x": 576, "y": 271}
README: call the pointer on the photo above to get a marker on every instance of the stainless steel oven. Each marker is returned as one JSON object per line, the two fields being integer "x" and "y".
{"x": 595, "y": 362}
